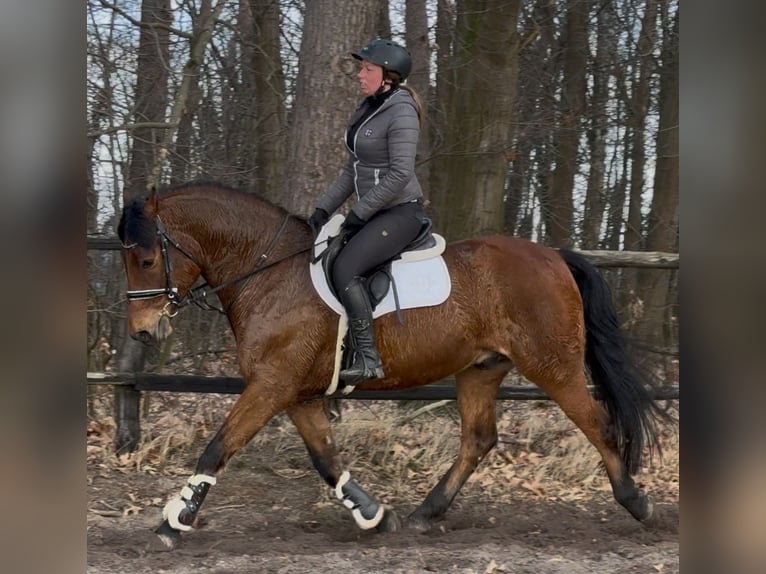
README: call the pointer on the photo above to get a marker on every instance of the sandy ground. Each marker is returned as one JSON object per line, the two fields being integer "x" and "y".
{"x": 259, "y": 521}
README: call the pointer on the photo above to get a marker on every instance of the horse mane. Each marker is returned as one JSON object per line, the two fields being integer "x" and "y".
{"x": 136, "y": 227}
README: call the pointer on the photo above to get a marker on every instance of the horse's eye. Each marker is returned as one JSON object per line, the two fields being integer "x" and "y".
{"x": 146, "y": 263}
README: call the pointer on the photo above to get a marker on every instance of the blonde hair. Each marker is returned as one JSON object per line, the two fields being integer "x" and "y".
{"x": 396, "y": 82}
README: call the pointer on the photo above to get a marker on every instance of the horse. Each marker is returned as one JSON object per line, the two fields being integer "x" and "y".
{"x": 513, "y": 303}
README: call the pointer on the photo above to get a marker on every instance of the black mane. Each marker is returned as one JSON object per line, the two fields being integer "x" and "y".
{"x": 136, "y": 227}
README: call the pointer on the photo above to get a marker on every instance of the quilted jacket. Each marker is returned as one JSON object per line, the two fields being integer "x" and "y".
{"x": 381, "y": 166}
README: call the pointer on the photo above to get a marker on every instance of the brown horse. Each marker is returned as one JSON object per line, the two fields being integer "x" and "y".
{"x": 513, "y": 303}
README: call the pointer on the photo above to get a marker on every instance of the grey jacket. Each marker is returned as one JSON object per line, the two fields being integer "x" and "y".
{"x": 381, "y": 167}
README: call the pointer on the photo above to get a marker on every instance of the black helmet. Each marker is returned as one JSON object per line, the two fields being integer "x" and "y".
{"x": 387, "y": 54}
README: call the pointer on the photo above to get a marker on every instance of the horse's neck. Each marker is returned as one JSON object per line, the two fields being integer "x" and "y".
{"x": 229, "y": 244}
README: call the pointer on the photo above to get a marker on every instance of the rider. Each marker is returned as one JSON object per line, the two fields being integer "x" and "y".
{"x": 382, "y": 139}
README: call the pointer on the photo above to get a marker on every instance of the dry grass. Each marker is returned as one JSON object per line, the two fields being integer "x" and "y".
{"x": 539, "y": 453}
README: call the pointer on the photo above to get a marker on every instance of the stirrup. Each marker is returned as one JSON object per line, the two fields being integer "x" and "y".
{"x": 362, "y": 374}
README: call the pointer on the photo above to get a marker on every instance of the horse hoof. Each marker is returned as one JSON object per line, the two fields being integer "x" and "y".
{"x": 418, "y": 524}
{"x": 169, "y": 536}
{"x": 641, "y": 508}
{"x": 390, "y": 522}
{"x": 655, "y": 517}
{"x": 650, "y": 514}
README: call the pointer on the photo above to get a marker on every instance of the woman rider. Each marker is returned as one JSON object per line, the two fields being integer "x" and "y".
{"x": 382, "y": 139}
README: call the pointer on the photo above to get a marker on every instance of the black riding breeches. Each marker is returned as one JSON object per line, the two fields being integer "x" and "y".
{"x": 382, "y": 237}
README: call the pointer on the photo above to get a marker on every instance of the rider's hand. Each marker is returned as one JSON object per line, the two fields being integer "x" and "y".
{"x": 317, "y": 220}
{"x": 352, "y": 224}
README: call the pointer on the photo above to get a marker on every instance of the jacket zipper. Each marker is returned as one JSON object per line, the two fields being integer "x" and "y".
{"x": 356, "y": 135}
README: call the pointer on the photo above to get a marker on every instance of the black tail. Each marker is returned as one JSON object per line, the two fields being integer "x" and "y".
{"x": 628, "y": 401}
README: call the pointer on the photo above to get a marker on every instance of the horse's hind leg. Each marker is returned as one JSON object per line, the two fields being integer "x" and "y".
{"x": 572, "y": 395}
{"x": 248, "y": 415}
{"x": 476, "y": 393}
{"x": 314, "y": 427}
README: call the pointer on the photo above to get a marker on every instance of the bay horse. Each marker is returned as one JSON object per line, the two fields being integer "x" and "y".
{"x": 513, "y": 302}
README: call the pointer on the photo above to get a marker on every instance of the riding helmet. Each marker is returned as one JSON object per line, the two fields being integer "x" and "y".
{"x": 389, "y": 55}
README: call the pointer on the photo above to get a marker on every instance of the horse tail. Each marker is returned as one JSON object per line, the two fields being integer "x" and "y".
{"x": 619, "y": 382}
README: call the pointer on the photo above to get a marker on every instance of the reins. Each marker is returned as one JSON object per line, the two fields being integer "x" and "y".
{"x": 197, "y": 295}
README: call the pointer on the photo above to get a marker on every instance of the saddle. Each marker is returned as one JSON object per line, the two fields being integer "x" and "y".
{"x": 418, "y": 275}
{"x": 378, "y": 280}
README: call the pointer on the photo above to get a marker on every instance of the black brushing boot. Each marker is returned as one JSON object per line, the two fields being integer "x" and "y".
{"x": 367, "y": 364}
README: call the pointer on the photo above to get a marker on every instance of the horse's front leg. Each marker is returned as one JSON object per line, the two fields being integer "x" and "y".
{"x": 476, "y": 392}
{"x": 255, "y": 407}
{"x": 314, "y": 427}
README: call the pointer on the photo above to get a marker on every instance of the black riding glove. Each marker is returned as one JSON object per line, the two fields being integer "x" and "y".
{"x": 352, "y": 224}
{"x": 317, "y": 220}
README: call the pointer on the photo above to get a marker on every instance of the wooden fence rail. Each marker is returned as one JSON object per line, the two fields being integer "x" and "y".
{"x": 647, "y": 259}
{"x": 441, "y": 390}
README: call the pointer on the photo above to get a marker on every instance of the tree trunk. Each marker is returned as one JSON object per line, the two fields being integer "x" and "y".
{"x": 326, "y": 96}
{"x": 595, "y": 197}
{"x": 436, "y": 120}
{"x": 180, "y": 160}
{"x": 382, "y": 21}
{"x": 572, "y": 106}
{"x": 537, "y": 65}
{"x": 151, "y": 95}
{"x": 616, "y": 204}
{"x": 471, "y": 171}
{"x": 270, "y": 112}
{"x": 197, "y": 46}
{"x": 444, "y": 31}
{"x": 662, "y": 225}
{"x": 629, "y": 297}
{"x": 151, "y": 99}
{"x": 416, "y": 39}
{"x": 639, "y": 106}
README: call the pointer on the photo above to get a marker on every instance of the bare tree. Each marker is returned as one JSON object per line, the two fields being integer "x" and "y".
{"x": 598, "y": 129}
{"x": 662, "y": 226}
{"x": 151, "y": 94}
{"x": 151, "y": 97}
{"x": 180, "y": 159}
{"x": 532, "y": 155}
{"x": 616, "y": 195}
{"x": 640, "y": 102}
{"x": 560, "y": 208}
{"x": 382, "y": 21}
{"x": 198, "y": 43}
{"x": 468, "y": 175}
{"x": 270, "y": 131}
{"x": 326, "y": 95}
{"x": 416, "y": 39}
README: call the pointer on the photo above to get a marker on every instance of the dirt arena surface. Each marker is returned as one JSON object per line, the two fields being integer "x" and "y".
{"x": 260, "y": 519}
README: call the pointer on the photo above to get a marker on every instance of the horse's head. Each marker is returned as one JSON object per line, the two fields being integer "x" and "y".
{"x": 159, "y": 271}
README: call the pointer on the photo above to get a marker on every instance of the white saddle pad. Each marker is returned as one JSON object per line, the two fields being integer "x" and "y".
{"x": 421, "y": 277}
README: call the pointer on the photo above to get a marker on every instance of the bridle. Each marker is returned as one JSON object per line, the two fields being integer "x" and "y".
{"x": 197, "y": 295}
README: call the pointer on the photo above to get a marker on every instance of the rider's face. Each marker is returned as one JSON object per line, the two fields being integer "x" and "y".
{"x": 370, "y": 77}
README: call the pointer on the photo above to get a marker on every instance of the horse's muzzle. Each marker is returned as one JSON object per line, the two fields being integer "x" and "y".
{"x": 161, "y": 331}
{"x": 144, "y": 337}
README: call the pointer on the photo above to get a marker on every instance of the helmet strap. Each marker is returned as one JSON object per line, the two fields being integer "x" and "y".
{"x": 385, "y": 85}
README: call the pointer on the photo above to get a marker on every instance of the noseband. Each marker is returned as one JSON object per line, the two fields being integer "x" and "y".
{"x": 198, "y": 294}
{"x": 170, "y": 290}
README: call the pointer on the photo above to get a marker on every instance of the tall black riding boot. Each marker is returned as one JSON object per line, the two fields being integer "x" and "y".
{"x": 367, "y": 364}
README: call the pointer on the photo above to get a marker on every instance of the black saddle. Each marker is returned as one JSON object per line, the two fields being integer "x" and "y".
{"x": 378, "y": 279}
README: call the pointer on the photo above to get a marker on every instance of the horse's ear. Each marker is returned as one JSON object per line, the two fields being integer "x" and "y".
{"x": 150, "y": 209}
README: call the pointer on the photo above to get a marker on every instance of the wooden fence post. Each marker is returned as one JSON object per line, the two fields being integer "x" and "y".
{"x": 127, "y": 399}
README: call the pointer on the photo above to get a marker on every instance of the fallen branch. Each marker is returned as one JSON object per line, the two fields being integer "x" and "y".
{"x": 424, "y": 409}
